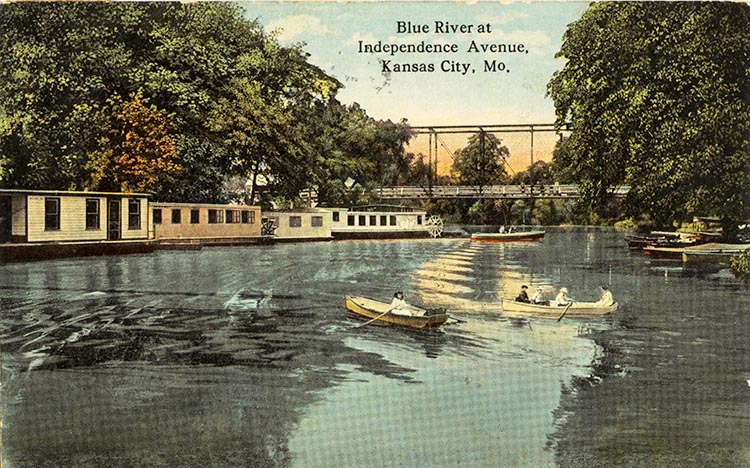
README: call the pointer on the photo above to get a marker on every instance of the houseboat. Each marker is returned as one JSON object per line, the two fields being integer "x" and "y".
{"x": 194, "y": 225}
{"x": 379, "y": 222}
{"x": 298, "y": 225}
{"x": 37, "y": 224}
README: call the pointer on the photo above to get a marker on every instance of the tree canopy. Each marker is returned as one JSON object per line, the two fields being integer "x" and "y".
{"x": 173, "y": 98}
{"x": 659, "y": 98}
{"x": 481, "y": 162}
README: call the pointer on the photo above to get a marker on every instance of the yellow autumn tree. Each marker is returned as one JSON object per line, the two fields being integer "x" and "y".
{"x": 137, "y": 153}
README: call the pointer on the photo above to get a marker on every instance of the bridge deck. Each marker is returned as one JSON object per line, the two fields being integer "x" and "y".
{"x": 488, "y": 191}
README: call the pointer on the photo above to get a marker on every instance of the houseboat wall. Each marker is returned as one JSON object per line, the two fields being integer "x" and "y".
{"x": 377, "y": 224}
{"x": 202, "y": 221}
{"x": 300, "y": 225}
{"x": 46, "y": 224}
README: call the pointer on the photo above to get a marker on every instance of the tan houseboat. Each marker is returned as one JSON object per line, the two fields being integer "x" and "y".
{"x": 199, "y": 224}
{"x": 47, "y": 223}
{"x": 378, "y": 222}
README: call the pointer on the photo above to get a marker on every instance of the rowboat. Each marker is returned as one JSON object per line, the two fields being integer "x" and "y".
{"x": 577, "y": 310}
{"x": 508, "y": 236}
{"x": 377, "y": 312}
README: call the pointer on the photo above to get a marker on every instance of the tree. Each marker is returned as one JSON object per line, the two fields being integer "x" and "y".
{"x": 658, "y": 97}
{"x": 137, "y": 153}
{"x": 481, "y": 162}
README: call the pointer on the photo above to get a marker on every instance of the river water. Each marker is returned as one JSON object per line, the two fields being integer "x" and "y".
{"x": 243, "y": 357}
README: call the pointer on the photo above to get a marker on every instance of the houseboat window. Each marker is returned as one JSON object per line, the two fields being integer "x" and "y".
{"x": 176, "y": 216}
{"x": 215, "y": 216}
{"x": 350, "y": 220}
{"x": 419, "y": 219}
{"x": 51, "y": 214}
{"x": 248, "y": 217}
{"x": 295, "y": 221}
{"x": 156, "y": 215}
{"x": 362, "y": 220}
{"x": 92, "y": 213}
{"x": 134, "y": 214}
{"x": 383, "y": 220}
{"x": 335, "y": 215}
{"x": 393, "y": 220}
{"x": 195, "y": 216}
{"x": 373, "y": 220}
{"x": 316, "y": 221}
{"x": 233, "y": 216}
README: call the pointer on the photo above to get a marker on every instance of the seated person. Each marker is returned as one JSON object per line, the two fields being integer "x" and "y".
{"x": 606, "y": 298}
{"x": 523, "y": 296}
{"x": 537, "y": 297}
{"x": 400, "y": 307}
{"x": 562, "y": 298}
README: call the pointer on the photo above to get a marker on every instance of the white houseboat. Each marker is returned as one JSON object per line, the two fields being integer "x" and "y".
{"x": 311, "y": 224}
{"x": 379, "y": 221}
{"x": 47, "y": 223}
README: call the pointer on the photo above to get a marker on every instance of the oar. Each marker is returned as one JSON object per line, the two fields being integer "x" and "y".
{"x": 372, "y": 320}
{"x": 565, "y": 311}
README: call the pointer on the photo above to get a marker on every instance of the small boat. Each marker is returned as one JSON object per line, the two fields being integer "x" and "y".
{"x": 577, "y": 310}
{"x": 519, "y": 236}
{"x": 377, "y": 312}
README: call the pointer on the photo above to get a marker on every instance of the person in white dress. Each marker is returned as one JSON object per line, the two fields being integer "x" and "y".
{"x": 606, "y": 298}
{"x": 400, "y": 307}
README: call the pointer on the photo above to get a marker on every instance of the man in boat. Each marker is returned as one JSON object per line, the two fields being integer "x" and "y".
{"x": 537, "y": 297}
{"x": 562, "y": 299}
{"x": 400, "y": 307}
{"x": 606, "y": 298}
{"x": 523, "y": 296}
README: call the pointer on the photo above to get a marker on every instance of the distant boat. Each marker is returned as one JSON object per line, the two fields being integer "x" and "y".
{"x": 669, "y": 239}
{"x": 378, "y": 312}
{"x": 514, "y": 308}
{"x": 518, "y": 236}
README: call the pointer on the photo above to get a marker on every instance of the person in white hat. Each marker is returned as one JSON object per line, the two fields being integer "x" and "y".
{"x": 562, "y": 298}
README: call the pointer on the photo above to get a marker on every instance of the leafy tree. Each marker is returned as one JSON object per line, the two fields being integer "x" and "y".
{"x": 137, "y": 153}
{"x": 658, "y": 97}
{"x": 481, "y": 162}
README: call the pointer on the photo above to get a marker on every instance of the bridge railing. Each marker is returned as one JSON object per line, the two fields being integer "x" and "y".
{"x": 489, "y": 191}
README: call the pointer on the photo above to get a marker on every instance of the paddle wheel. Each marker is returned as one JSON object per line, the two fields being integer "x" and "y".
{"x": 434, "y": 225}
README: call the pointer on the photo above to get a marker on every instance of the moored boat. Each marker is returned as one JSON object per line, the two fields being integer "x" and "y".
{"x": 576, "y": 310}
{"x": 378, "y": 312}
{"x": 508, "y": 236}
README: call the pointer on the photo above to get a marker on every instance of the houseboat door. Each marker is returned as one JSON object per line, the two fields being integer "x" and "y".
{"x": 5, "y": 219}
{"x": 113, "y": 219}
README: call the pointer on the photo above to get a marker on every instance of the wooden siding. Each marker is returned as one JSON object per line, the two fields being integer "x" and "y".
{"x": 305, "y": 230}
{"x": 203, "y": 229}
{"x": 73, "y": 220}
{"x": 18, "y": 216}
{"x": 142, "y": 231}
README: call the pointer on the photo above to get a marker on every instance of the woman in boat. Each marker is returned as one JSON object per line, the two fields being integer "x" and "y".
{"x": 523, "y": 296}
{"x": 537, "y": 297}
{"x": 562, "y": 298}
{"x": 606, "y": 298}
{"x": 400, "y": 307}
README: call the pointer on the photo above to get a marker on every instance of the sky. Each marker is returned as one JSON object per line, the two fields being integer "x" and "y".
{"x": 465, "y": 93}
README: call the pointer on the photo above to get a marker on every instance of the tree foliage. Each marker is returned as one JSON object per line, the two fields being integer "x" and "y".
{"x": 481, "y": 162}
{"x": 174, "y": 98}
{"x": 658, "y": 95}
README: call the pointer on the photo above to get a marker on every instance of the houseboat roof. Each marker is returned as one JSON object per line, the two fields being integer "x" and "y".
{"x": 70, "y": 193}
{"x": 199, "y": 204}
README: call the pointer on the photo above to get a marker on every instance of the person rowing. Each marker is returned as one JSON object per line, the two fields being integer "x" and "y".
{"x": 562, "y": 299}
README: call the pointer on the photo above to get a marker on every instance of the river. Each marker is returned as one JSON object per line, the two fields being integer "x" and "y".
{"x": 243, "y": 357}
